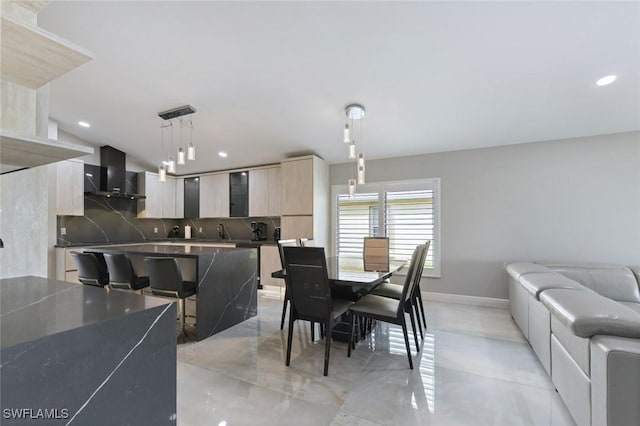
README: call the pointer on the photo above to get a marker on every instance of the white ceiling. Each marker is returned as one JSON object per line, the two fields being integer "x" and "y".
{"x": 271, "y": 79}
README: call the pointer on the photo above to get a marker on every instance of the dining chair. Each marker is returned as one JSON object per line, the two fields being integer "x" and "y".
{"x": 390, "y": 310}
{"x": 394, "y": 291}
{"x": 375, "y": 254}
{"x": 165, "y": 279}
{"x": 281, "y": 245}
{"x": 121, "y": 273}
{"x": 92, "y": 269}
{"x": 307, "y": 242}
{"x": 311, "y": 300}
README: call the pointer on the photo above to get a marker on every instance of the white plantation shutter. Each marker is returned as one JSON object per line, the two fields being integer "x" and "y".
{"x": 407, "y": 212}
{"x": 356, "y": 219}
{"x": 409, "y": 221}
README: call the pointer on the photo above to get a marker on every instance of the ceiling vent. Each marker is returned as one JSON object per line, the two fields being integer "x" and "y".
{"x": 176, "y": 112}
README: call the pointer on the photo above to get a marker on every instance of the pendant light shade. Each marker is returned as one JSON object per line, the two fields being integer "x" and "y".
{"x": 191, "y": 152}
{"x": 181, "y": 157}
{"x": 352, "y": 187}
{"x": 171, "y": 165}
{"x": 352, "y": 151}
{"x": 162, "y": 173}
{"x": 361, "y": 168}
{"x": 347, "y": 134}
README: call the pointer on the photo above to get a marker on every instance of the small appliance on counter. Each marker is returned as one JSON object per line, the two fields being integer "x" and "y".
{"x": 276, "y": 234}
{"x": 174, "y": 233}
{"x": 259, "y": 230}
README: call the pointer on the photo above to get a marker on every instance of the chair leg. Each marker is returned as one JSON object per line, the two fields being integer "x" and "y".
{"x": 413, "y": 327}
{"x": 327, "y": 350}
{"x": 289, "y": 338}
{"x": 350, "y": 342}
{"x": 419, "y": 294}
{"x": 181, "y": 313}
{"x": 406, "y": 342}
{"x": 313, "y": 331}
{"x": 415, "y": 309}
{"x": 284, "y": 308}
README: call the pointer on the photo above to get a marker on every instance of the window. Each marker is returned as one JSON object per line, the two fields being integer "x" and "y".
{"x": 407, "y": 212}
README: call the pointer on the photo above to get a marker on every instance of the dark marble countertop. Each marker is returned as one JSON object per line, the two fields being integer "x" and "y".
{"x": 192, "y": 241}
{"x": 33, "y": 307}
{"x": 178, "y": 249}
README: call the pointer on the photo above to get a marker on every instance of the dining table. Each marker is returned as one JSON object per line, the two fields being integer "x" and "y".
{"x": 349, "y": 280}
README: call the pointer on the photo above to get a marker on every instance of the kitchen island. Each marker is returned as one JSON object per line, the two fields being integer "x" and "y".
{"x": 226, "y": 278}
{"x": 79, "y": 354}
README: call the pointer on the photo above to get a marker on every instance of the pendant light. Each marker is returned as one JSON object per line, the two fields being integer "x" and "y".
{"x": 169, "y": 166}
{"x": 354, "y": 112}
{"x": 181, "y": 158}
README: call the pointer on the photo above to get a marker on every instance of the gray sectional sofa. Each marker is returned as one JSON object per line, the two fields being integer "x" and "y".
{"x": 583, "y": 323}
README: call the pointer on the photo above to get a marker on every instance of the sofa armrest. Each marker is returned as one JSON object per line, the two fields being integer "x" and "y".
{"x": 587, "y": 313}
{"x": 615, "y": 381}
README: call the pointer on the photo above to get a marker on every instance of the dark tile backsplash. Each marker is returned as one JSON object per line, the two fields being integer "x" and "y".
{"x": 109, "y": 220}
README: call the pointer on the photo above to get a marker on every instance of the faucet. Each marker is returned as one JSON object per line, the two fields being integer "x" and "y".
{"x": 221, "y": 231}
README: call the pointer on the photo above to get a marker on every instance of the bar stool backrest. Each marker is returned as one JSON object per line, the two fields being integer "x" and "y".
{"x": 165, "y": 277}
{"x": 120, "y": 269}
{"x": 90, "y": 270}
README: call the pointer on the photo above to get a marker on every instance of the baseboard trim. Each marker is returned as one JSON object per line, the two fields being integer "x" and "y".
{"x": 488, "y": 302}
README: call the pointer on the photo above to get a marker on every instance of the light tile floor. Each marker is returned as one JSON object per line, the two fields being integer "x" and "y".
{"x": 474, "y": 368}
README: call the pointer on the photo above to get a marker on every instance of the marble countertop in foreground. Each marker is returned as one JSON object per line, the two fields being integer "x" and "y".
{"x": 35, "y": 307}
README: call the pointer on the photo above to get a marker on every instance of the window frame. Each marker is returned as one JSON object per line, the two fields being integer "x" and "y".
{"x": 387, "y": 186}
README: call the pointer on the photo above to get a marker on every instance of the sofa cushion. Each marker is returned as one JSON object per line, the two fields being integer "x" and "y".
{"x": 537, "y": 283}
{"x": 613, "y": 281}
{"x": 632, "y": 305}
{"x": 517, "y": 269}
{"x": 586, "y": 313}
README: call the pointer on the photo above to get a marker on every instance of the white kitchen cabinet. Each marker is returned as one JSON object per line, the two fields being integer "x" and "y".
{"x": 259, "y": 192}
{"x": 264, "y": 192}
{"x": 269, "y": 262}
{"x": 214, "y": 195}
{"x": 275, "y": 187}
{"x": 297, "y": 186}
{"x": 70, "y": 188}
{"x": 305, "y": 199}
{"x": 163, "y": 199}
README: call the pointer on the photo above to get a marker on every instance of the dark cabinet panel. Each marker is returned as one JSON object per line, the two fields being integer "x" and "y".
{"x": 239, "y": 194}
{"x": 191, "y": 197}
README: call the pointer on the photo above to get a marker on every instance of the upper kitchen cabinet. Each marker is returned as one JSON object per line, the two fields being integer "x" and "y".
{"x": 164, "y": 199}
{"x": 305, "y": 199}
{"x": 264, "y": 192}
{"x": 70, "y": 188}
{"x": 214, "y": 195}
{"x": 192, "y": 197}
{"x": 239, "y": 194}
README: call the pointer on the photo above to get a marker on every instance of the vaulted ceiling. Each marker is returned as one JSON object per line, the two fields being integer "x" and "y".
{"x": 271, "y": 79}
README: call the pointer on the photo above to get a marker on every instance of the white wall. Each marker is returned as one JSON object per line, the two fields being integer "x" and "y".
{"x": 569, "y": 200}
{"x": 27, "y": 222}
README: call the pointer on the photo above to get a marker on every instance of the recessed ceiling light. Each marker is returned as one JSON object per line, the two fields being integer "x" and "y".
{"x": 606, "y": 80}
{"x": 83, "y": 124}
{"x": 222, "y": 154}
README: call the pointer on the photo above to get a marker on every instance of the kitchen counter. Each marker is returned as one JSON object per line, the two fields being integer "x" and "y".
{"x": 192, "y": 241}
{"x": 70, "y": 347}
{"x": 226, "y": 279}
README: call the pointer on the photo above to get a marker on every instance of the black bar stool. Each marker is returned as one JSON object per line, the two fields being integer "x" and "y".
{"x": 165, "y": 279}
{"x": 121, "y": 273}
{"x": 92, "y": 269}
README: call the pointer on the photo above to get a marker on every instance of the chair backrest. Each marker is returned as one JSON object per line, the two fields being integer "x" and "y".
{"x": 308, "y": 282}
{"x": 375, "y": 254}
{"x": 307, "y": 242}
{"x": 120, "y": 269}
{"x": 285, "y": 243}
{"x": 412, "y": 273}
{"x": 165, "y": 277}
{"x": 91, "y": 271}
